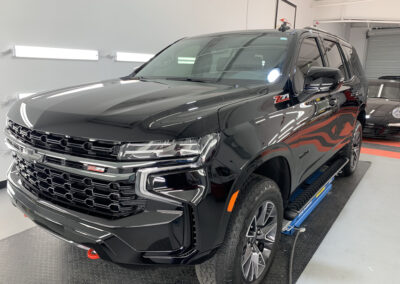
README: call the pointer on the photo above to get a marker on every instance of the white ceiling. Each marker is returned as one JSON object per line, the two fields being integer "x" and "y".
{"x": 321, "y": 3}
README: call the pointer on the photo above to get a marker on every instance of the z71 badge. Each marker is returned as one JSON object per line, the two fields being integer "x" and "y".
{"x": 281, "y": 98}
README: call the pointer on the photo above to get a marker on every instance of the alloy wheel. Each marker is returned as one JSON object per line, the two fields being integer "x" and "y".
{"x": 356, "y": 147}
{"x": 260, "y": 240}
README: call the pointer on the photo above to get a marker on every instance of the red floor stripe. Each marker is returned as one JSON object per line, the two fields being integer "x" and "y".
{"x": 381, "y": 153}
{"x": 382, "y": 142}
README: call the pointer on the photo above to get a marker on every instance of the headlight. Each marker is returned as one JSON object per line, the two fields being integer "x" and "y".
{"x": 190, "y": 147}
{"x": 396, "y": 112}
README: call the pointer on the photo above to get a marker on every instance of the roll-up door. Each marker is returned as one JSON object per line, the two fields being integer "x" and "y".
{"x": 383, "y": 53}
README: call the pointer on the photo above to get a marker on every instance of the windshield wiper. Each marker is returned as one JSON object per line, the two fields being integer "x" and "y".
{"x": 188, "y": 79}
{"x": 140, "y": 78}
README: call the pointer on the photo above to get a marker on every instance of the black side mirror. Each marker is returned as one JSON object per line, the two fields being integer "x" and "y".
{"x": 322, "y": 79}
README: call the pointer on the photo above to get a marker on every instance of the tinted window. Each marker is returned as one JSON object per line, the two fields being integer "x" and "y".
{"x": 348, "y": 53}
{"x": 384, "y": 90}
{"x": 256, "y": 57}
{"x": 309, "y": 56}
{"x": 373, "y": 89}
{"x": 334, "y": 57}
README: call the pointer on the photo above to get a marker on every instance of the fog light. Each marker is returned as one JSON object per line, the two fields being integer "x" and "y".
{"x": 187, "y": 186}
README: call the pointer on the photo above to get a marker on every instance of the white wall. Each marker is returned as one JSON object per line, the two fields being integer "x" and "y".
{"x": 339, "y": 29}
{"x": 373, "y": 10}
{"x": 358, "y": 38}
{"x": 109, "y": 26}
{"x": 262, "y": 13}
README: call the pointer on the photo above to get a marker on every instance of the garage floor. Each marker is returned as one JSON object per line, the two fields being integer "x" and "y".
{"x": 352, "y": 251}
{"x": 363, "y": 244}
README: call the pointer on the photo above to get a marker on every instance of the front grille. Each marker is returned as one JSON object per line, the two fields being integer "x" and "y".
{"x": 88, "y": 195}
{"x": 82, "y": 147}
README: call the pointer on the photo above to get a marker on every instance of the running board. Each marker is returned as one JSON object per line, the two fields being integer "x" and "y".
{"x": 306, "y": 198}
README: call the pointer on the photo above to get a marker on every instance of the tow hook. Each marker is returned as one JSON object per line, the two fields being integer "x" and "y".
{"x": 92, "y": 254}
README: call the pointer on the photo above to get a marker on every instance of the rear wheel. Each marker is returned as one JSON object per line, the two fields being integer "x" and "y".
{"x": 352, "y": 150}
{"x": 251, "y": 239}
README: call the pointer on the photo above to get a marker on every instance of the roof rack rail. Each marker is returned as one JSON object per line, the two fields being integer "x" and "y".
{"x": 326, "y": 32}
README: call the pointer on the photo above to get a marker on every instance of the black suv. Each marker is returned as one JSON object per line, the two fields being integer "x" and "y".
{"x": 191, "y": 159}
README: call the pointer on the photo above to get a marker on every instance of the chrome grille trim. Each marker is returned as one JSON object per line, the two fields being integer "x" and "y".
{"x": 135, "y": 172}
{"x": 76, "y": 146}
{"x": 92, "y": 196}
{"x": 115, "y": 170}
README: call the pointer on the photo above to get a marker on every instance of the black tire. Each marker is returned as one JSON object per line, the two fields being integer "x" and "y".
{"x": 226, "y": 265}
{"x": 352, "y": 151}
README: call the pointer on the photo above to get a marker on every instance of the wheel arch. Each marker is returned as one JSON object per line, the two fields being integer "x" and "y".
{"x": 278, "y": 170}
{"x": 275, "y": 163}
{"x": 362, "y": 115}
{"x": 273, "y": 157}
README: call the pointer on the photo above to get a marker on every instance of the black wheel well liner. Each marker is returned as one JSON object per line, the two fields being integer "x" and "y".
{"x": 361, "y": 116}
{"x": 278, "y": 170}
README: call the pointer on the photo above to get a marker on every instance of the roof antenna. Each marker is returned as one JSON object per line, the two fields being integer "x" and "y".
{"x": 285, "y": 25}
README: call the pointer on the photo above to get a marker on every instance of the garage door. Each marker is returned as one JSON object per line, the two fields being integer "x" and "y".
{"x": 383, "y": 53}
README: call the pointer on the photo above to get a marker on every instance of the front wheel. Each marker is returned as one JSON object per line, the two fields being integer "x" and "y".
{"x": 352, "y": 150}
{"x": 251, "y": 239}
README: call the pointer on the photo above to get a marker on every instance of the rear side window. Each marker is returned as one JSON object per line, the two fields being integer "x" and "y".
{"x": 309, "y": 56}
{"x": 334, "y": 57}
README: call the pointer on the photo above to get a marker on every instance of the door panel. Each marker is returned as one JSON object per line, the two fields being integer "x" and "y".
{"x": 308, "y": 142}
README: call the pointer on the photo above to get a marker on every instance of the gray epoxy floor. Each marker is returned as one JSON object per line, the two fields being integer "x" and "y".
{"x": 12, "y": 221}
{"x": 361, "y": 247}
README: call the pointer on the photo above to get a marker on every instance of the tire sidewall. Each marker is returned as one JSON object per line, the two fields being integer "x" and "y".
{"x": 357, "y": 128}
{"x": 348, "y": 151}
{"x": 267, "y": 190}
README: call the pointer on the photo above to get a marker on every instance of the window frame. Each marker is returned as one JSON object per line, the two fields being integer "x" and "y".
{"x": 296, "y": 57}
{"x": 348, "y": 76}
{"x": 348, "y": 63}
{"x": 317, "y": 40}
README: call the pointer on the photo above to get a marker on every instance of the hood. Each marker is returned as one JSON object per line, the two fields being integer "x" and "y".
{"x": 128, "y": 110}
{"x": 377, "y": 107}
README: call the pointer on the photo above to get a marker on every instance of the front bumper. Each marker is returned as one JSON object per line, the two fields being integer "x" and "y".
{"x": 381, "y": 131}
{"x": 159, "y": 236}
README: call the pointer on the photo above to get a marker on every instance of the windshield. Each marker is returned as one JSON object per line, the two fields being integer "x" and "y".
{"x": 384, "y": 90}
{"x": 256, "y": 57}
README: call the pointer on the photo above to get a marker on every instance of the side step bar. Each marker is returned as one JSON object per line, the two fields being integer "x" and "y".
{"x": 309, "y": 195}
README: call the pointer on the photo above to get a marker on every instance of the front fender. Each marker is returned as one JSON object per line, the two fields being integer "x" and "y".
{"x": 278, "y": 150}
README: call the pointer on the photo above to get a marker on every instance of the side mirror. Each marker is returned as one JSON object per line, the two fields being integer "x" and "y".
{"x": 322, "y": 79}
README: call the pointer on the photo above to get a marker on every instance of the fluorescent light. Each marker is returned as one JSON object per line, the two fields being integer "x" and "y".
{"x": 186, "y": 60}
{"x": 24, "y": 95}
{"x": 55, "y": 53}
{"x": 133, "y": 57}
{"x": 86, "y": 88}
{"x": 123, "y": 82}
{"x": 24, "y": 116}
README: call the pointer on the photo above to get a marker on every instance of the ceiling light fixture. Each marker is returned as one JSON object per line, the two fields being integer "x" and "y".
{"x": 22, "y": 51}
